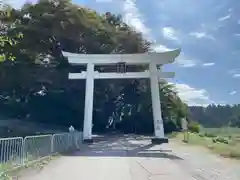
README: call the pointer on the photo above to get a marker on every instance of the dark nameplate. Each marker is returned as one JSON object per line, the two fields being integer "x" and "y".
{"x": 121, "y": 67}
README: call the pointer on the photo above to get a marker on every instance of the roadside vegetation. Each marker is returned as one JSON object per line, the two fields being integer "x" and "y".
{"x": 7, "y": 172}
{"x": 223, "y": 141}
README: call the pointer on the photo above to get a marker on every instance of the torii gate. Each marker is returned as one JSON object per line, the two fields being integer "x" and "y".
{"x": 152, "y": 59}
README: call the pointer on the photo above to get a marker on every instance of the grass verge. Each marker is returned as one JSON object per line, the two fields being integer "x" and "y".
{"x": 7, "y": 173}
{"x": 230, "y": 149}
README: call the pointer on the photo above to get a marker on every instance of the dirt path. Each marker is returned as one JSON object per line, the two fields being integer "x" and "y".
{"x": 129, "y": 158}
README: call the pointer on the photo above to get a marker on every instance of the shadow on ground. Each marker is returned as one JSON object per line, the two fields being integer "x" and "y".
{"x": 124, "y": 147}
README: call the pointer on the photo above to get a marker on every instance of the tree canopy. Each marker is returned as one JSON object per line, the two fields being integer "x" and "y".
{"x": 217, "y": 115}
{"x": 33, "y": 73}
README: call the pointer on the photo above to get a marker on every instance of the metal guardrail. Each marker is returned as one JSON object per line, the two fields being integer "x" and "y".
{"x": 36, "y": 147}
{"x": 19, "y": 151}
{"x": 11, "y": 152}
{"x": 67, "y": 141}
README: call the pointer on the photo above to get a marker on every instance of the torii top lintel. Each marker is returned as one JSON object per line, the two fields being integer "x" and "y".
{"x": 140, "y": 58}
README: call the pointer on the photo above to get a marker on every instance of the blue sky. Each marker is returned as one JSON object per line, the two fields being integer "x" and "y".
{"x": 207, "y": 31}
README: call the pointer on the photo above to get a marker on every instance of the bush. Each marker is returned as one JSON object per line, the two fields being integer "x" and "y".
{"x": 221, "y": 140}
{"x": 194, "y": 128}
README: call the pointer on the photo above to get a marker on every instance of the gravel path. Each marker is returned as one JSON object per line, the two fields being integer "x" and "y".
{"x": 131, "y": 158}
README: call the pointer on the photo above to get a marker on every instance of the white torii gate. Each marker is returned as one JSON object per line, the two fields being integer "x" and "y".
{"x": 152, "y": 59}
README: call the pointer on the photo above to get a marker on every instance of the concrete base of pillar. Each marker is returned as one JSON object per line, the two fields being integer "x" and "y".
{"x": 159, "y": 140}
{"x": 88, "y": 141}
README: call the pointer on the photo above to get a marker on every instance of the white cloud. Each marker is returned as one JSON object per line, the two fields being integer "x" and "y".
{"x": 193, "y": 96}
{"x": 209, "y": 64}
{"x": 200, "y": 35}
{"x": 182, "y": 60}
{"x": 160, "y": 48}
{"x": 133, "y": 17}
{"x": 169, "y": 33}
{"x": 236, "y": 75}
{"x": 224, "y": 17}
{"x": 197, "y": 34}
{"x": 233, "y": 92}
{"x": 185, "y": 61}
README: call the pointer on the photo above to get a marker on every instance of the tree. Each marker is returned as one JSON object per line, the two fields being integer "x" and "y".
{"x": 36, "y": 83}
{"x": 216, "y": 115}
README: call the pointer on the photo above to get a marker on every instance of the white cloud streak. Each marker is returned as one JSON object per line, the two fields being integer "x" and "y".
{"x": 200, "y": 35}
{"x": 134, "y": 18}
{"x": 224, "y": 17}
{"x": 193, "y": 96}
{"x": 208, "y": 64}
{"x": 235, "y": 73}
{"x": 160, "y": 48}
{"x": 169, "y": 33}
{"x": 187, "y": 63}
{"x": 233, "y": 92}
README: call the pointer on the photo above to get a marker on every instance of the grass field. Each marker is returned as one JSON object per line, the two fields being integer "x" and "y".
{"x": 223, "y": 141}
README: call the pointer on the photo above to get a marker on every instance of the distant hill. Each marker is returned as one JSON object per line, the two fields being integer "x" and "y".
{"x": 216, "y": 115}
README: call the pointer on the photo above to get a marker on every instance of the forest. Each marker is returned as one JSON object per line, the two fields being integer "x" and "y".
{"x": 214, "y": 116}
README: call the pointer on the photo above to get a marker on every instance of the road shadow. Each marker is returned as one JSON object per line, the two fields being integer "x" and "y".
{"x": 124, "y": 147}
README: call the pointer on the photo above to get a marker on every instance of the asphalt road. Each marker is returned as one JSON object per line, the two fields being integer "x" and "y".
{"x": 135, "y": 158}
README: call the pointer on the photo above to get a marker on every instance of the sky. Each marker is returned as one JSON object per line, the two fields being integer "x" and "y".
{"x": 207, "y": 31}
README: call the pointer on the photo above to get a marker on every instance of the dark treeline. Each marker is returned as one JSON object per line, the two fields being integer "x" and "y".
{"x": 33, "y": 74}
{"x": 216, "y": 115}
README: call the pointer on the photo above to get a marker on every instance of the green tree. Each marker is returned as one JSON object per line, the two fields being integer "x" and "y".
{"x": 36, "y": 83}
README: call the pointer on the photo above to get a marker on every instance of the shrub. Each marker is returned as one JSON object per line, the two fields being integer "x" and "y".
{"x": 194, "y": 127}
{"x": 221, "y": 140}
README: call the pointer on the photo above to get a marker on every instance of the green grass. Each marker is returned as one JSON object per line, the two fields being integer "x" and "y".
{"x": 223, "y": 141}
{"x": 7, "y": 171}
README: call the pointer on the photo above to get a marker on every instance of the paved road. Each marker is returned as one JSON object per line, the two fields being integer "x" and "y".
{"x": 132, "y": 158}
